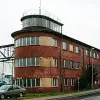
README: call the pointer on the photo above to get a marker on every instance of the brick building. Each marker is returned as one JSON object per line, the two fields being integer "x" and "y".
{"x": 42, "y": 64}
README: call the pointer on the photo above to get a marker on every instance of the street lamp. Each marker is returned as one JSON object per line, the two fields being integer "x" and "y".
{"x": 92, "y": 65}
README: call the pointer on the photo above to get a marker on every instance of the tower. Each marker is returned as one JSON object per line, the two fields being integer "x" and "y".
{"x": 37, "y": 52}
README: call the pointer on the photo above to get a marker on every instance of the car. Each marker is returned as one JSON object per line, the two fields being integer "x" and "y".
{"x": 11, "y": 91}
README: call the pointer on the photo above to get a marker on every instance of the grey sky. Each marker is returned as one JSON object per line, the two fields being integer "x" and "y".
{"x": 81, "y": 18}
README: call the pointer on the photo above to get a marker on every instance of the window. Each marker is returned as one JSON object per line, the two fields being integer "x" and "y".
{"x": 28, "y": 82}
{"x": 29, "y": 62}
{"x": 65, "y": 63}
{"x": 54, "y": 82}
{"x": 28, "y": 40}
{"x": 94, "y": 55}
{"x": 87, "y": 52}
{"x": 66, "y": 82}
{"x": 24, "y": 62}
{"x": 77, "y": 65}
{"x": 97, "y": 56}
{"x": 55, "y": 62}
{"x": 72, "y": 82}
{"x": 24, "y": 41}
{"x": 71, "y": 48}
{"x": 36, "y": 82}
{"x": 37, "y": 61}
{"x": 64, "y": 45}
{"x": 77, "y": 49}
{"x": 54, "y": 42}
{"x": 90, "y": 53}
{"x": 71, "y": 64}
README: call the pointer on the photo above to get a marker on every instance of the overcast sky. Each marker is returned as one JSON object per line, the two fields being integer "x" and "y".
{"x": 81, "y": 18}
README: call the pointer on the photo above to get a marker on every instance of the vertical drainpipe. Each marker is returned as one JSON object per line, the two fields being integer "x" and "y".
{"x": 82, "y": 61}
{"x": 61, "y": 76}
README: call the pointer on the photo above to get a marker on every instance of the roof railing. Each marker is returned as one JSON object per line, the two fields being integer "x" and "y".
{"x": 40, "y": 12}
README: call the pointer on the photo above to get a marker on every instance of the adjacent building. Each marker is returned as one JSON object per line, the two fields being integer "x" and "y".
{"x": 48, "y": 61}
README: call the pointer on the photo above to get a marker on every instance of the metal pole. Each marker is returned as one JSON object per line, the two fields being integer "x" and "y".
{"x": 92, "y": 66}
{"x": 78, "y": 84}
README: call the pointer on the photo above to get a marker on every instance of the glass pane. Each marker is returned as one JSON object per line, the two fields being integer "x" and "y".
{"x": 24, "y": 82}
{"x": 33, "y": 40}
{"x": 24, "y": 61}
{"x": 20, "y": 82}
{"x": 21, "y": 41}
{"x": 33, "y": 61}
{"x": 24, "y": 41}
{"x": 29, "y": 63}
{"x": 33, "y": 82}
{"x": 28, "y": 40}
{"x": 37, "y": 40}
{"x": 37, "y": 82}
{"x": 37, "y": 61}
{"x": 21, "y": 62}
{"x": 28, "y": 82}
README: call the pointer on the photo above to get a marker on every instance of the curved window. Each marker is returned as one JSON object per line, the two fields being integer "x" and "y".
{"x": 27, "y": 41}
{"x": 23, "y": 62}
{"x": 41, "y": 22}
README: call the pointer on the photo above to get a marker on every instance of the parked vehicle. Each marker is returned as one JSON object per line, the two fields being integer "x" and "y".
{"x": 11, "y": 91}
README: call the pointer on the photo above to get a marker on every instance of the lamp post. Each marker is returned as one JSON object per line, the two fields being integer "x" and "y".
{"x": 92, "y": 65}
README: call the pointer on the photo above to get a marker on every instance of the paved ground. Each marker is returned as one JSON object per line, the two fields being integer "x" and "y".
{"x": 73, "y": 96}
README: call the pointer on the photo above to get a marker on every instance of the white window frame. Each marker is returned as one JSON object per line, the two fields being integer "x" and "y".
{"x": 72, "y": 82}
{"x": 98, "y": 56}
{"x": 94, "y": 55}
{"x": 64, "y": 46}
{"x": 54, "y": 82}
{"x": 77, "y": 49}
{"x": 65, "y": 62}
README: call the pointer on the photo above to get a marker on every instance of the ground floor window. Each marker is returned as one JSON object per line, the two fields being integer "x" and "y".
{"x": 54, "y": 82}
{"x": 35, "y": 82}
{"x": 66, "y": 82}
{"x": 72, "y": 82}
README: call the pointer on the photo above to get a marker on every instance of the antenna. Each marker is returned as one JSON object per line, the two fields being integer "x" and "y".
{"x": 40, "y": 8}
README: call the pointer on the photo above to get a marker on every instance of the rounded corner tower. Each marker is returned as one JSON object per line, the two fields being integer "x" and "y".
{"x": 37, "y": 52}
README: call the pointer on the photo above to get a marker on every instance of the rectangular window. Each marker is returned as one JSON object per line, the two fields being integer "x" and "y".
{"x": 90, "y": 54}
{"x": 66, "y": 82}
{"x": 55, "y": 62}
{"x": 71, "y": 64}
{"x": 21, "y": 62}
{"x": 64, "y": 46}
{"x": 54, "y": 82}
{"x": 29, "y": 61}
{"x": 37, "y": 41}
{"x": 94, "y": 55}
{"x": 28, "y": 82}
{"x": 65, "y": 63}
{"x": 77, "y": 49}
{"x": 37, "y": 61}
{"x": 55, "y": 42}
{"x": 87, "y": 52}
{"x": 24, "y": 41}
{"x": 28, "y": 40}
{"x": 71, "y": 47}
{"x": 21, "y": 41}
{"x": 33, "y": 61}
{"x": 36, "y": 82}
{"x": 24, "y": 61}
{"x": 32, "y": 40}
{"x": 25, "y": 82}
{"x": 77, "y": 65}
{"x": 72, "y": 82}
{"x": 97, "y": 56}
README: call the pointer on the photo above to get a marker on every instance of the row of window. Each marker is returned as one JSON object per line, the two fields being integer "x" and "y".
{"x": 71, "y": 47}
{"x": 35, "y": 61}
{"x": 31, "y": 41}
{"x": 41, "y": 22}
{"x": 35, "y": 82}
{"x": 92, "y": 54}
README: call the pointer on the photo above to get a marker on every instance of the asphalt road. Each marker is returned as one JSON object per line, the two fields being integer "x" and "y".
{"x": 87, "y": 97}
